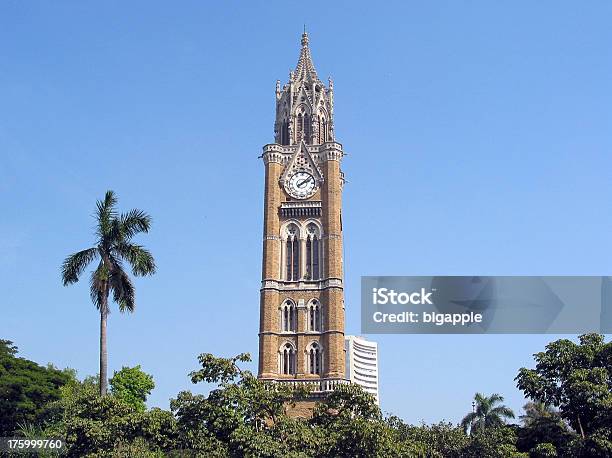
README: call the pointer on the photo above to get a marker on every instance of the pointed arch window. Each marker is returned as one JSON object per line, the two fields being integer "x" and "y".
{"x": 300, "y": 126}
{"x": 313, "y": 252}
{"x": 314, "y": 316}
{"x": 288, "y": 318}
{"x": 322, "y": 127}
{"x": 286, "y": 359}
{"x": 285, "y": 132}
{"x": 307, "y": 128}
{"x": 303, "y": 125}
{"x": 292, "y": 253}
{"x": 315, "y": 359}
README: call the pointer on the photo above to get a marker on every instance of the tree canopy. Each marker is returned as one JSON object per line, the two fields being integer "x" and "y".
{"x": 132, "y": 385}
{"x": 25, "y": 388}
{"x": 242, "y": 416}
{"x": 576, "y": 378}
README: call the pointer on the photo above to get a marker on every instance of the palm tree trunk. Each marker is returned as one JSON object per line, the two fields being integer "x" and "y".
{"x": 103, "y": 350}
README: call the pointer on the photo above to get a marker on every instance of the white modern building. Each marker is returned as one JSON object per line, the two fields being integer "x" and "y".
{"x": 362, "y": 363}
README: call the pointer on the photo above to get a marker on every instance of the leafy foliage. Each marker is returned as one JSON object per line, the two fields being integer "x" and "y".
{"x": 577, "y": 379}
{"x": 353, "y": 426}
{"x": 493, "y": 442}
{"x": 25, "y": 388}
{"x": 538, "y": 411}
{"x": 97, "y": 426}
{"x": 543, "y": 450}
{"x": 245, "y": 416}
{"x": 438, "y": 440}
{"x": 542, "y": 425}
{"x": 242, "y": 416}
{"x": 132, "y": 385}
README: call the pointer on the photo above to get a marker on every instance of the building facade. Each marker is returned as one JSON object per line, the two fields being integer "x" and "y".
{"x": 362, "y": 364}
{"x": 301, "y": 332}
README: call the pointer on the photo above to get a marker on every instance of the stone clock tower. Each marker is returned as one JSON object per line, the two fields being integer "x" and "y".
{"x": 301, "y": 330}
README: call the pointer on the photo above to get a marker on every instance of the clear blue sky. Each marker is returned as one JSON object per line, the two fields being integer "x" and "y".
{"x": 479, "y": 141}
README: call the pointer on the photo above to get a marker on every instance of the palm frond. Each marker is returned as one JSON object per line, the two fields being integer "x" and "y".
{"x": 123, "y": 290}
{"x": 74, "y": 265}
{"x": 493, "y": 421}
{"x": 134, "y": 222}
{"x": 98, "y": 284}
{"x": 138, "y": 257}
{"x": 495, "y": 398}
{"x": 503, "y": 412}
{"x": 105, "y": 214}
{"x": 468, "y": 420}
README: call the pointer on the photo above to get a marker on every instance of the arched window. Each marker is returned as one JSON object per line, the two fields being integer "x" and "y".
{"x": 307, "y": 128}
{"x": 284, "y": 132}
{"x": 322, "y": 125}
{"x": 300, "y": 127}
{"x": 292, "y": 253}
{"x": 286, "y": 359}
{"x": 324, "y": 136}
{"x": 313, "y": 253}
{"x": 288, "y": 318}
{"x": 315, "y": 359}
{"x": 303, "y": 125}
{"x": 314, "y": 316}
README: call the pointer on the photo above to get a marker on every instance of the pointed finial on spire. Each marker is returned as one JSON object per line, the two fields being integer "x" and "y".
{"x": 305, "y": 68}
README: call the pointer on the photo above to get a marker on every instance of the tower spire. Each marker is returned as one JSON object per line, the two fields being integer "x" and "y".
{"x": 305, "y": 69}
{"x": 304, "y": 106}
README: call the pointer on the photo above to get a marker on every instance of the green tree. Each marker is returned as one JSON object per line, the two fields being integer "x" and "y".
{"x": 25, "y": 389}
{"x": 352, "y": 425}
{"x": 132, "y": 385}
{"x": 438, "y": 440}
{"x": 577, "y": 379}
{"x": 245, "y": 416}
{"x": 113, "y": 246}
{"x": 99, "y": 426}
{"x": 542, "y": 425}
{"x": 544, "y": 431}
{"x": 543, "y": 450}
{"x": 493, "y": 442}
{"x": 236, "y": 418}
{"x": 487, "y": 413}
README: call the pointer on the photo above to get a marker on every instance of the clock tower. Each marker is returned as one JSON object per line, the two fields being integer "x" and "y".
{"x": 301, "y": 329}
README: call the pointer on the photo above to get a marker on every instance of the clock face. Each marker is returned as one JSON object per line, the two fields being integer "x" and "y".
{"x": 301, "y": 185}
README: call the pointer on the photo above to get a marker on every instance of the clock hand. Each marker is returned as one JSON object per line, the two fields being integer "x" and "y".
{"x": 299, "y": 185}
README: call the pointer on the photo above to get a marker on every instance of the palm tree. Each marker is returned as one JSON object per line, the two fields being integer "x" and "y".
{"x": 113, "y": 246}
{"x": 536, "y": 411}
{"x": 486, "y": 413}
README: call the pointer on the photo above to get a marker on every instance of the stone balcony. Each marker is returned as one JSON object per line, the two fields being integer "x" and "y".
{"x": 317, "y": 387}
